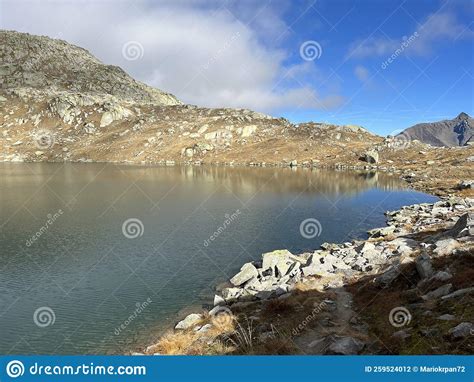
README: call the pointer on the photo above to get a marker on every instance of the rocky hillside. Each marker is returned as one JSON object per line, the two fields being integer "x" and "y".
{"x": 41, "y": 66}
{"x": 455, "y": 132}
{"x": 61, "y": 103}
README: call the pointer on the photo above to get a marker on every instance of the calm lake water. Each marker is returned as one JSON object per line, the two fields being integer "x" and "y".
{"x": 72, "y": 279}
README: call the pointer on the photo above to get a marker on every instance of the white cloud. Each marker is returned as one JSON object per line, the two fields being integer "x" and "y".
{"x": 197, "y": 50}
{"x": 437, "y": 27}
{"x": 361, "y": 73}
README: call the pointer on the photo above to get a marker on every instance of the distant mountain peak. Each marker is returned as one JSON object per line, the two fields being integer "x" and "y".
{"x": 449, "y": 133}
{"x": 463, "y": 116}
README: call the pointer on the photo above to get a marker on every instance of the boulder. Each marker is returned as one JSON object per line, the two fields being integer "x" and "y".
{"x": 247, "y": 272}
{"x": 463, "y": 227}
{"x": 442, "y": 276}
{"x": 402, "y": 334}
{"x": 466, "y": 185}
{"x": 424, "y": 266}
{"x": 446, "y": 317}
{"x": 248, "y": 131}
{"x": 439, "y": 292}
{"x": 371, "y": 156}
{"x": 279, "y": 262}
{"x": 189, "y": 321}
{"x": 231, "y": 294}
{"x": 386, "y": 278}
{"x": 403, "y": 245}
{"x": 345, "y": 346}
{"x": 445, "y": 247}
{"x": 218, "y": 300}
{"x": 464, "y": 329}
{"x": 384, "y": 231}
{"x": 458, "y": 293}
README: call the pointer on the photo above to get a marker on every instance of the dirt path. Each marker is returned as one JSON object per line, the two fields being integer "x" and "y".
{"x": 338, "y": 324}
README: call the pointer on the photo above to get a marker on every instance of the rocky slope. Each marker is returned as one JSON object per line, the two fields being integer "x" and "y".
{"x": 43, "y": 68}
{"x": 455, "y": 132}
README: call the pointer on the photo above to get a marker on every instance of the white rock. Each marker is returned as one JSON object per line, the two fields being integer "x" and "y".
{"x": 189, "y": 321}
{"x": 247, "y": 272}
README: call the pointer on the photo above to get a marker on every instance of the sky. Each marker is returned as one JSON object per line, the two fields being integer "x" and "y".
{"x": 382, "y": 64}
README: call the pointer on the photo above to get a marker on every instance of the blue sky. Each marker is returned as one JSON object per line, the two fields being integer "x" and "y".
{"x": 431, "y": 80}
{"x": 249, "y": 53}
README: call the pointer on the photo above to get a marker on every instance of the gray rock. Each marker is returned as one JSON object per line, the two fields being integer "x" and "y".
{"x": 463, "y": 226}
{"x": 345, "y": 346}
{"x": 466, "y": 185}
{"x": 189, "y": 321}
{"x": 401, "y": 334}
{"x": 442, "y": 276}
{"x": 218, "y": 300}
{"x": 384, "y": 231}
{"x": 445, "y": 247}
{"x": 403, "y": 245}
{"x": 386, "y": 278}
{"x": 371, "y": 156}
{"x": 464, "y": 329}
{"x": 446, "y": 317}
{"x": 439, "y": 292}
{"x": 231, "y": 294}
{"x": 459, "y": 292}
{"x": 424, "y": 266}
{"x": 247, "y": 272}
{"x": 279, "y": 261}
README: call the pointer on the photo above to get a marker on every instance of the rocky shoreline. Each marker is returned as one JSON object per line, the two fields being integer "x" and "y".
{"x": 418, "y": 235}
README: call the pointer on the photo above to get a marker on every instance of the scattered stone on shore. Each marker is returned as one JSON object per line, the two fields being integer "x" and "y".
{"x": 383, "y": 255}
